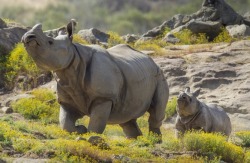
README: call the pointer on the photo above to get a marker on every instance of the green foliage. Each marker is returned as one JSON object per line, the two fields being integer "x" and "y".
{"x": 223, "y": 36}
{"x": 245, "y": 138}
{"x": 43, "y": 106}
{"x": 155, "y": 45}
{"x": 114, "y": 39}
{"x": 20, "y": 62}
{"x": 171, "y": 108}
{"x": 213, "y": 144}
{"x": 189, "y": 38}
{"x": 77, "y": 39}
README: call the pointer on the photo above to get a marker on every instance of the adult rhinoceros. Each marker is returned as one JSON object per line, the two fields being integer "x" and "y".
{"x": 114, "y": 86}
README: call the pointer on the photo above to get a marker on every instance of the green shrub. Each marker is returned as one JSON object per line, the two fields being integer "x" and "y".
{"x": 188, "y": 38}
{"x": 171, "y": 108}
{"x": 78, "y": 39}
{"x": 245, "y": 138}
{"x": 42, "y": 107}
{"x": 19, "y": 62}
{"x": 114, "y": 39}
{"x": 213, "y": 144}
{"x": 224, "y": 36}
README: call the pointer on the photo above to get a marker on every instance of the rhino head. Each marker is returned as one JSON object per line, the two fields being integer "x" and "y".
{"x": 47, "y": 52}
{"x": 187, "y": 103}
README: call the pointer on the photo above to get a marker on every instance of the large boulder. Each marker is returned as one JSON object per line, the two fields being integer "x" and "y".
{"x": 209, "y": 19}
{"x": 94, "y": 36}
{"x": 2, "y": 24}
{"x": 10, "y": 36}
{"x": 238, "y": 30}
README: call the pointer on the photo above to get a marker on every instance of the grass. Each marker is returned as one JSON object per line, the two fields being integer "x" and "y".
{"x": 171, "y": 108}
{"x": 39, "y": 135}
{"x": 43, "y": 106}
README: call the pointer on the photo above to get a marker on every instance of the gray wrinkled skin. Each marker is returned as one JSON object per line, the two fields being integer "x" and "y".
{"x": 114, "y": 86}
{"x": 193, "y": 114}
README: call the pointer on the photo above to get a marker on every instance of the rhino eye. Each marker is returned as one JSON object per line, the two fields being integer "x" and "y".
{"x": 50, "y": 42}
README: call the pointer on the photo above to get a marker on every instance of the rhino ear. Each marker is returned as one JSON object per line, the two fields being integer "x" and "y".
{"x": 70, "y": 27}
{"x": 197, "y": 92}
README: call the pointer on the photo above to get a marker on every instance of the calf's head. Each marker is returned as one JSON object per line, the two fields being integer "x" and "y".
{"x": 47, "y": 52}
{"x": 187, "y": 103}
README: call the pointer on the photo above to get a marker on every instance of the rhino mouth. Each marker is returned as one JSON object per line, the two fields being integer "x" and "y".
{"x": 30, "y": 40}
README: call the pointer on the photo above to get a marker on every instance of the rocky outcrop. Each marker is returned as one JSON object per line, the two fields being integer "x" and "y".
{"x": 222, "y": 72}
{"x": 213, "y": 15}
{"x": 94, "y": 36}
{"x": 10, "y": 36}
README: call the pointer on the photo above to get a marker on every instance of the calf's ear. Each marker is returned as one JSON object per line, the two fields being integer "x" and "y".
{"x": 70, "y": 27}
{"x": 197, "y": 92}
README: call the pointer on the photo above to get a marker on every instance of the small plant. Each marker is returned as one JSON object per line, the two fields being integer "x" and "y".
{"x": 213, "y": 144}
{"x": 187, "y": 37}
{"x": 171, "y": 108}
{"x": 78, "y": 39}
{"x": 19, "y": 62}
{"x": 43, "y": 106}
{"x": 245, "y": 138}
{"x": 156, "y": 45}
{"x": 224, "y": 36}
{"x": 114, "y": 39}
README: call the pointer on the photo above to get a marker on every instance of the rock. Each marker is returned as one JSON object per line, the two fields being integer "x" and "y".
{"x": 209, "y": 19}
{"x": 2, "y": 24}
{"x": 247, "y": 15}
{"x": 79, "y": 138}
{"x": 130, "y": 38}
{"x": 222, "y": 73}
{"x": 237, "y": 31}
{"x": 171, "y": 38}
{"x": 10, "y": 37}
{"x": 55, "y": 32}
{"x": 121, "y": 158}
{"x": 93, "y": 35}
{"x": 98, "y": 141}
{"x": 7, "y": 110}
{"x": 7, "y": 102}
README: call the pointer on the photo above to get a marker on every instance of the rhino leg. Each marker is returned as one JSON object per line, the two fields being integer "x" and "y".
{"x": 157, "y": 107}
{"x": 100, "y": 111}
{"x": 131, "y": 129}
{"x": 67, "y": 121}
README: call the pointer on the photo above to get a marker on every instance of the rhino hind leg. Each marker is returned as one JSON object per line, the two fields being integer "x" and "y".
{"x": 157, "y": 107}
{"x": 131, "y": 129}
{"x": 67, "y": 121}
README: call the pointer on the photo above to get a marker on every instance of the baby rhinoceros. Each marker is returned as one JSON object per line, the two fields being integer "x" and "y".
{"x": 111, "y": 86}
{"x": 193, "y": 114}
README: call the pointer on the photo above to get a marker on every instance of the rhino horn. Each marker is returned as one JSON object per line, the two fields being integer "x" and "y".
{"x": 38, "y": 26}
{"x": 187, "y": 90}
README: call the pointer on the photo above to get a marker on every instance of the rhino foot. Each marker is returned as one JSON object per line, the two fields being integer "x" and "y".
{"x": 81, "y": 129}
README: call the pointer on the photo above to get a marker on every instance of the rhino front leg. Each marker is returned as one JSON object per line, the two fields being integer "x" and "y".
{"x": 131, "y": 129}
{"x": 67, "y": 121}
{"x": 99, "y": 114}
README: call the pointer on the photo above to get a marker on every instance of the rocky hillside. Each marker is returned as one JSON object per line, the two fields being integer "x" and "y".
{"x": 221, "y": 71}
